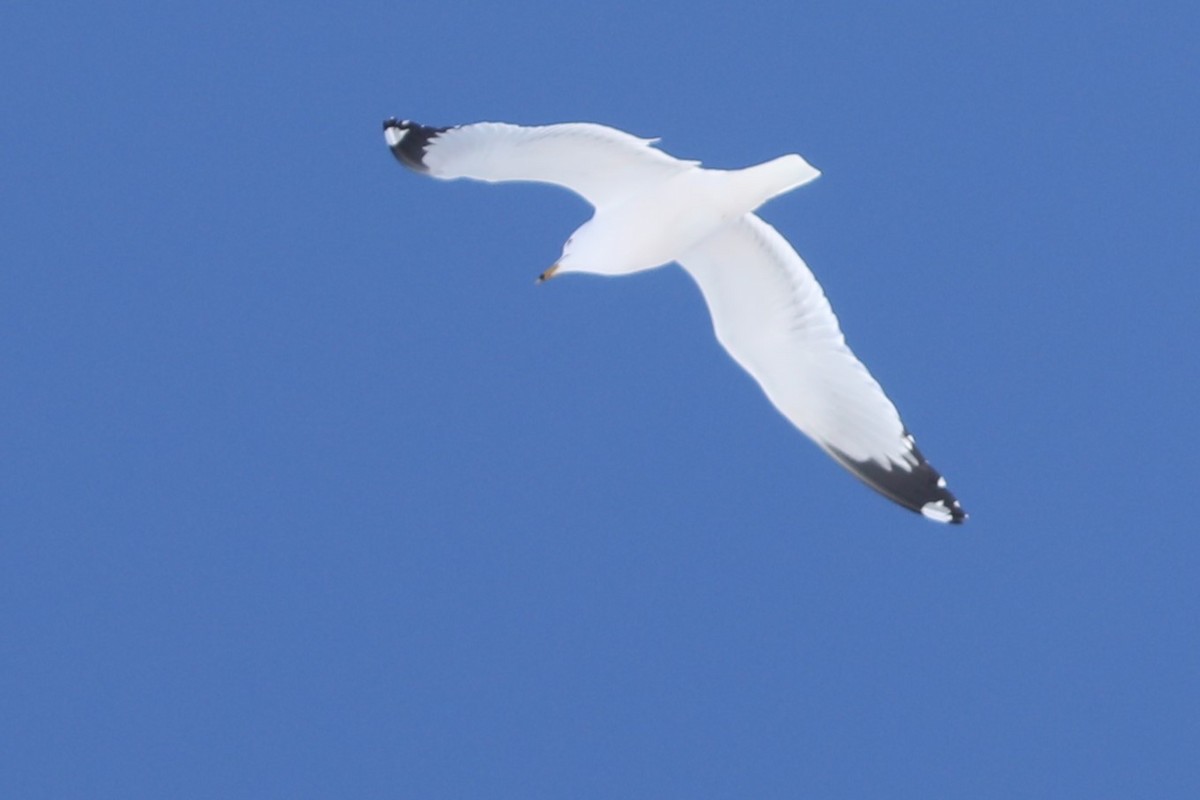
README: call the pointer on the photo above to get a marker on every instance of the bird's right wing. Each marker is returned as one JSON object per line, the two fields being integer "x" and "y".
{"x": 599, "y": 163}
{"x": 771, "y": 315}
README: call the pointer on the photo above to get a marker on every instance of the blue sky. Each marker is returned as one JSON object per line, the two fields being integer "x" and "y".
{"x": 308, "y": 491}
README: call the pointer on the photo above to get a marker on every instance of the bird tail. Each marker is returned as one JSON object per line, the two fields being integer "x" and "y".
{"x": 775, "y": 177}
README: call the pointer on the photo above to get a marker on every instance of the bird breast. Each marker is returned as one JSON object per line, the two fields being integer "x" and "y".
{"x": 658, "y": 224}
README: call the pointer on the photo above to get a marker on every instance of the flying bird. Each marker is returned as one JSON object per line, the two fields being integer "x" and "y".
{"x": 768, "y": 310}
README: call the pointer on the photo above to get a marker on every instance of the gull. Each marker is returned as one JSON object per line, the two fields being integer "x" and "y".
{"x": 767, "y": 309}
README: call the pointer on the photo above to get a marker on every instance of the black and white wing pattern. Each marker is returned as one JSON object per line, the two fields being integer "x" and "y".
{"x": 769, "y": 312}
{"x": 599, "y": 163}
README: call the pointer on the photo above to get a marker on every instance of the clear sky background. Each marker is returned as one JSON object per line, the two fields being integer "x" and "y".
{"x": 307, "y": 490}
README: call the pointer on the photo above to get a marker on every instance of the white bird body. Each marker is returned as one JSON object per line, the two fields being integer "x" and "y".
{"x": 686, "y": 207}
{"x": 768, "y": 310}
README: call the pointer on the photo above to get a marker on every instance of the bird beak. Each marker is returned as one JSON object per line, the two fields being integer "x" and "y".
{"x": 548, "y": 274}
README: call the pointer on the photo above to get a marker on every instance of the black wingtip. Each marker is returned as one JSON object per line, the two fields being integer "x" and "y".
{"x": 921, "y": 488}
{"x": 408, "y": 141}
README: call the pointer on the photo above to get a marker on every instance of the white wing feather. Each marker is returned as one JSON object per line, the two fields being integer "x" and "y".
{"x": 599, "y": 163}
{"x": 770, "y": 314}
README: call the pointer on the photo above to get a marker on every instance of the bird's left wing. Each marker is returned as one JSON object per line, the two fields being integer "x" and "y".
{"x": 599, "y": 163}
{"x": 771, "y": 315}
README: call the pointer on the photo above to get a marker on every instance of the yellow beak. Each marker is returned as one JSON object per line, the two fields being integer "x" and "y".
{"x": 548, "y": 274}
